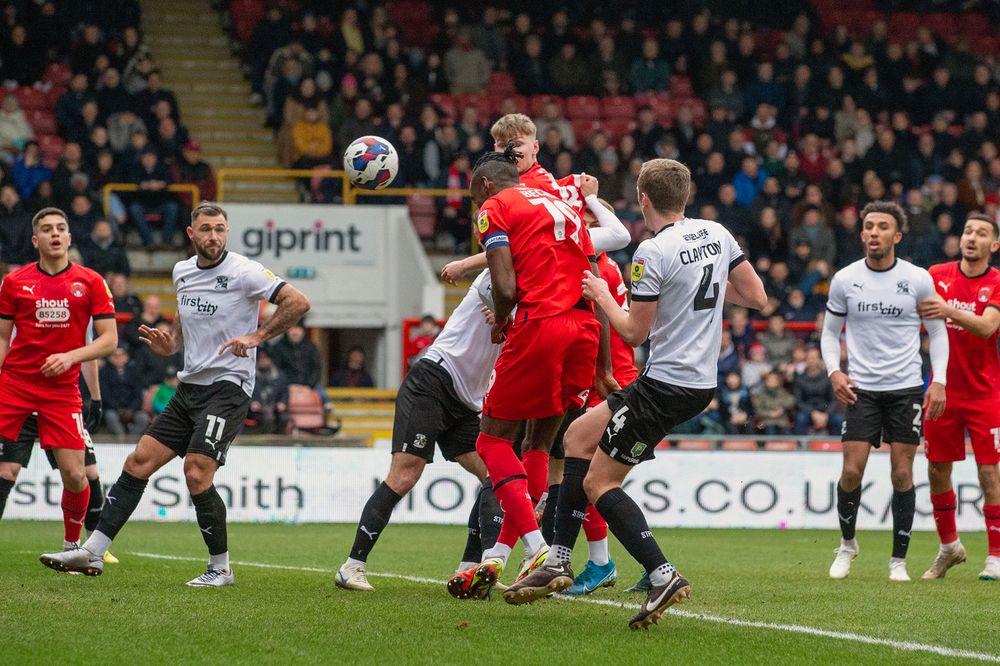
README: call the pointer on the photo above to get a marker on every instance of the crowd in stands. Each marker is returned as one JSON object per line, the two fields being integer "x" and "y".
{"x": 84, "y": 105}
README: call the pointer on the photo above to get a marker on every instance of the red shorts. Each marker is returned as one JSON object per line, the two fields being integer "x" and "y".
{"x": 624, "y": 377}
{"x": 546, "y": 366}
{"x": 60, "y": 413}
{"x": 946, "y": 437}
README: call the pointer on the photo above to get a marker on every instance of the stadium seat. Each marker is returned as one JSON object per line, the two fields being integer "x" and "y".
{"x": 973, "y": 24}
{"x": 53, "y": 95}
{"x": 423, "y": 215}
{"x": 694, "y": 445}
{"x": 943, "y": 24}
{"x": 305, "y": 409}
{"x": 537, "y": 104}
{"x": 245, "y": 15}
{"x": 583, "y": 107}
{"x": 739, "y": 445}
{"x": 617, "y": 128}
{"x": 51, "y": 146}
{"x": 781, "y": 445}
{"x": 42, "y": 122}
{"x": 57, "y": 73}
{"x": 31, "y": 99}
{"x": 903, "y": 25}
{"x": 680, "y": 86}
{"x": 445, "y": 104}
{"x": 501, "y": 83}
{"x": 826, "y": 446}
{"x": 582, "y": 129}
{"x": 621, "y": 106}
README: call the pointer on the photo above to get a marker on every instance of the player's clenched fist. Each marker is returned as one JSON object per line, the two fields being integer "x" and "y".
{"x": 588, "y": 185}
{"x": 594, "y": 287}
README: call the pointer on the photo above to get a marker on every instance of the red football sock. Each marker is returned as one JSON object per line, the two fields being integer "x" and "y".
{"x": 944, "y": 516}
{"x": 74, "y": 506}
{"x": 510, "y": 484}
{"x": 536, "y": 465}
{"x": 992, "y": 514}
{"x": 594, "y": 525}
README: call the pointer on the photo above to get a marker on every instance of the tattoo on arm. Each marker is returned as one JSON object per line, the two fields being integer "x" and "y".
{"x": 292, "y": 305}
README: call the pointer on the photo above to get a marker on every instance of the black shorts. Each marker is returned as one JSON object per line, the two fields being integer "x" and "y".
{"x": 20, "y": 451}
{"x": 644, "y": 412}
{"x": 429, "y": 412}
{"x": 202, "y": 419}
{"x": 885, "y": 416}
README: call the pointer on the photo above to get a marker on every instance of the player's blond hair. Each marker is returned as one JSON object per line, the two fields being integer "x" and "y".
{"x": 667, "y": 183}
{"x": 512, "y": 126}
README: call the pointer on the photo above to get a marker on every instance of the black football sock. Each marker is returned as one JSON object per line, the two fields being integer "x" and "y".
{"x": 5, "y": 488}
{"x": 548, "y": 525}
{"x": 211, "y": 512}
{"x": 904, "y": 505}
{"x": 628, "y": 524}
{"x": 571, "y": 509}
{"x": 473, "y": 544}
{"x": 121, "y": 501}
{"x": 374, "y": 517}
{"x": 490, "y": 516}
{"x": 847, "y": 510}
{"x": 94, "y": 508}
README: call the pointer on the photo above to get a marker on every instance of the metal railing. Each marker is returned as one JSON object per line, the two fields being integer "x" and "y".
{"x": 106, "y": 191}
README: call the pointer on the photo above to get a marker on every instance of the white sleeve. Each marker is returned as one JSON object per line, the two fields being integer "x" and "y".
{"x": 836, "y": 300}
{"x": 484, "y": 287}
{"x": 938, "y": 334}
{"x": 829, "y": 341}
{"x": 610, "y": 234}
{"x": 259, "y": 282}
{"x": 646, "y": 277}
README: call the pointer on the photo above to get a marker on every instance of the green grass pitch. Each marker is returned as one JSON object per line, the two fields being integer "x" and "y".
{"x": 140, "y": 611}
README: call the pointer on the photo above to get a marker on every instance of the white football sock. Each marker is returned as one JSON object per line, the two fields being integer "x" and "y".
{"x": 352, "y": 563}
{"x": 499, "y": 551}
{"x": 98, "y": 543}
{"x": 598, "y": 552}
{"x": 219, "y": 562}
{"x": 533, "y": 542}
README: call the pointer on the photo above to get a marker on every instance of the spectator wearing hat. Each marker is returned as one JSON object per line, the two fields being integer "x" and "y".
{"x": 193, "y": 170}
{"x": 153, "y": 179}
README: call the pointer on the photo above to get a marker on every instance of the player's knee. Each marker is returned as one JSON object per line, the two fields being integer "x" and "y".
{"x": 595, "y": 487}
{"x": 902, "y": 479}
{"x": 9, "y": 471}
{"x": 199, "y": 474}
{"x": 989, "y": 481}
{"x": 402, "y": 478}
{"x": 74, "y": 479}
{"x": 851, "y": 476}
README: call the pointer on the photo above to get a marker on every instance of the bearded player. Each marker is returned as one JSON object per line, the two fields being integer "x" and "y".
{"x": 51, "y": 304}
{"x": 968, "y": 299}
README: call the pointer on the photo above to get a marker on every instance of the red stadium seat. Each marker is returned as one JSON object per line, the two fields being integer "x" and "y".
{"x": 31, "y": 99}
{"x": 42, "y": 122}
{"x": 617, "y": 128}
{"x": 943, "y": 24}
{"x": 423, "y": 215}
{"x": 521, "y": 104}
{"x": 51, "y": 146}
{"x": 501, "y": 83}
{"x": 53, "y": 95}
{"x": 445, "y": 104}
{"x": 481, "y": 100}
{"x": 680, "y": 86}
{"x": 826, "y": 446}
{"x": 973, "y": 24}
{"x": 245, "y": 15}
{"x": 663, "y": 109}
{"x": 781, "y": 445}
{"x": 305, "y": 408}
{"x": 57, "y": 73}
{"x": 694, "y": 445}
{"x": 739, "y": 445}
{"x": 582, "y": 129}
{"x": 903, "y": 25}
{"x": 537, "y": 104}
{"x": 618, "y": 107}
{"x": 583, "y": 107}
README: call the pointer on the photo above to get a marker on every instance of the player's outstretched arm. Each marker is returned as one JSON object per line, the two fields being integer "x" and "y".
{"x": 981, "y": 326}
{"x": 745, "y": 287}
{"x": 292, "y": 306}
{"x": 610, "y": 234}
{"x": 454, "y": 271}
{"x": 105, "y": 341}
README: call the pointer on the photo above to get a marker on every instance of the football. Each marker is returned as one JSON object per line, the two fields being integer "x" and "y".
{"x": 371, "y": 162}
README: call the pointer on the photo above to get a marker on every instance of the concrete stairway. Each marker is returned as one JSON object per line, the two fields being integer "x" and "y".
{"x": 193, "y": 53}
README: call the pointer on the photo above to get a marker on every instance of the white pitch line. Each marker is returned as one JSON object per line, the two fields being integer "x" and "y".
{"x": 753, "y": 624}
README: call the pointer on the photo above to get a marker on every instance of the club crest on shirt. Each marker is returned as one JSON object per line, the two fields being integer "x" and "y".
{"x": 638, "y": 266}
{"x": 482, "y": 222}
{"x": 903, "y": 287}
{"x": 984, "y": 294}
{"x": 77, "y": 289}
{"x": 222, "y": 282}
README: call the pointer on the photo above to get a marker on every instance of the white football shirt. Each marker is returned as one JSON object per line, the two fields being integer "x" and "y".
{"x": 685, "y": 268}
{"x": 463, "y": 347}
{"x": 883, "y": 327}
{"x": 218, "y": 304}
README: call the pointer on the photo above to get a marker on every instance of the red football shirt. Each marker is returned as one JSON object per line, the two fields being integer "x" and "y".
{"x": 51, "y": 314}
{"x": 622, "y": 354}
{"x": 973, "y": 363}
{"x": 544, "y": 235}
{"x": 567, "y": 189}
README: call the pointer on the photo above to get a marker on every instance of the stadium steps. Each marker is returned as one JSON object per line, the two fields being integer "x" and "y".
{"x": 162, "y": 286}
{"x": 363, "y": 413}
{"x": 193, "y": 53}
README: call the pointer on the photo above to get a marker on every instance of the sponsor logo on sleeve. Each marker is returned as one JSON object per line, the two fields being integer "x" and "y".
{"x": 482, "y": 222}
{"x": 638, "y": 267}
